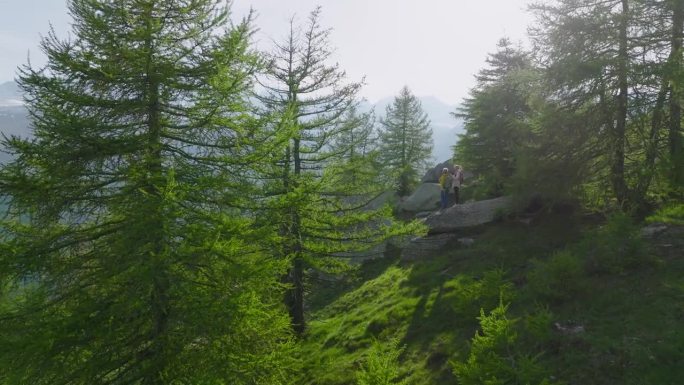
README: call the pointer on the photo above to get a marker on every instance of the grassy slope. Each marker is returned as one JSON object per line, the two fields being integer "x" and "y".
{"x": 633, "y": 318}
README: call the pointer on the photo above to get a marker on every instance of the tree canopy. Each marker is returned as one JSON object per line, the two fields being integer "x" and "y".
{"x": 405, "y": 141}
{"x": 125, "y": 249}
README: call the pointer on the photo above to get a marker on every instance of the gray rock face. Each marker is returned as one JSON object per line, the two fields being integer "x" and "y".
{"x": 356, "y": 257}
{"x": 422, "y": 247}
{"x": 653, "y": 229}
{"x": 467, "y": 215}
{"x": 466, "y": 241}
{"x": 432, "y": 175}
{"x": 381, "y": 200}
{"x": 425, "y": 198}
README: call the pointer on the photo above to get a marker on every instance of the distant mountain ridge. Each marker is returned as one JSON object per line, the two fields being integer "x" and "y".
{"x": 10, "y": 95}
{"x": 445, "y": 128}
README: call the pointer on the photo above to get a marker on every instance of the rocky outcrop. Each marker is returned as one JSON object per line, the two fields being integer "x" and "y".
{"x": 421, "y": 247}
{"x": 467, "y": 215}
{"x": 425, "y": 198}
{"x": 387, "y": 197}
{"x": 432, "y": 175}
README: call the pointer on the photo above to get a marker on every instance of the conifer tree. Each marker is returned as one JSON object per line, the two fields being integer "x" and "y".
{"x": 405, "y": 141}
{"x": 616, "y": 63}
{"x": 124, "y": 259}
{"x": 359, "y": 139}
{"x": 321, "y": 182}
{"x": 494, "y": 116}
{"x": 589, "y": 45}
{"x": 675, "y": 81}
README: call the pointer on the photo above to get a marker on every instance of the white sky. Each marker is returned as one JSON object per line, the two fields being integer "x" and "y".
{"x": 433, "y": 46}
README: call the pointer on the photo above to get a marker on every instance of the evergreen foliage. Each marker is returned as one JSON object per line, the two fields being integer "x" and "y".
{"x": 405, "y": 141}
{"x": 592, "y": 114}
{"x": 616, "y": 247}
{"x": 493, "y": 359}
{"x": 157, "y": 217}
{"x": 382, "y": 365}
{"x": 559, "y": 278}
{"x": 126, "y": 258}
{"x": 613, "y": 63}
{"x": 323, "y": 178}
{"x": 496, "y": 120}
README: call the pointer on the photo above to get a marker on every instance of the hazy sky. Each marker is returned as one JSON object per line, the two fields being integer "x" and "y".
{"x": 433, "y": 46}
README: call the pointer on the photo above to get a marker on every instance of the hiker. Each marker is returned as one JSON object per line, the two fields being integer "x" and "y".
{"x": 457, "y": 180}
{"x": 445, "y": 185}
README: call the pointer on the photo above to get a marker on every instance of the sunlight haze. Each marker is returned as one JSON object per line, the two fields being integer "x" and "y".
{"x": 433, "y": 46}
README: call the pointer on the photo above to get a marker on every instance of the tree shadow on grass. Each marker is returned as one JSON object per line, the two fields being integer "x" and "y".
{"x": 456, "y": 282}
{"x": 324, "y": 291}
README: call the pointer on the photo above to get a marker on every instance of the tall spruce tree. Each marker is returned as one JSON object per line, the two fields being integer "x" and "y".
{"x": 124, "y": 260}
{"x": 405, "y": 141}
{"x": 495, "y": 119}
{"x": 321, "y": 182}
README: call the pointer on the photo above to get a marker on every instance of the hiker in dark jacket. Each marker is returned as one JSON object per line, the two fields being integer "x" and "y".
{"x": 456, "y": 181}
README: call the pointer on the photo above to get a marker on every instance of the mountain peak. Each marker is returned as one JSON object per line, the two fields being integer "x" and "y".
{"x": 10, "y": 94}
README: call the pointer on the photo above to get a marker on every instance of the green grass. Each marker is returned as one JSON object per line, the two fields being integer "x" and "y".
{"x": 673, "y": 214}
{"x": 632, "y": 316}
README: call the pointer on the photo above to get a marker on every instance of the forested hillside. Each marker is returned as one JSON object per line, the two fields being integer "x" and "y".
{"x": 187, "y": 208}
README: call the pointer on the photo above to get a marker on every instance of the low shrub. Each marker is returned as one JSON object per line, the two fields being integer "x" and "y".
{"x": 381, "y": 366}
{"x": 616, "y": 247}
{"x": 467, "y": 295}
{"x": 494, "y": 357}
{"x": 538, "y": 325}
{"x": 559, "y": 278}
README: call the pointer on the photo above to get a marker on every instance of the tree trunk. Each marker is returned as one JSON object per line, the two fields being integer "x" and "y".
{"x": 153, "y": 215}
{"x": 403, "y": 178}
{"x": 676, "y": 84}
{"x": 647, "y": 173}
{"x": 295, "y": 294}
{"x": 618, "y": 161}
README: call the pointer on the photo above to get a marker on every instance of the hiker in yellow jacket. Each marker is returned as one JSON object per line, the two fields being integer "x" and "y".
{"x": 445, "y": 181}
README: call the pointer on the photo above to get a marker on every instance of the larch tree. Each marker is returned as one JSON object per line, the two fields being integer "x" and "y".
{"x": 320, "y": 184}
{"x": 657, "y": 37}
{"x": 405, "y": 141}
{"x": 124, "y": 258}
{"x": 675, "y": 81}
{"x": 618, "y": 63}
{"x": 494, "y": 119}
{"x": 359, "y": 139}
{"x": 585, "y": 47}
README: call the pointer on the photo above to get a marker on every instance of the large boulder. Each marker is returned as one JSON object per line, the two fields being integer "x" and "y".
{"x": 425, "y": 198}
{"x": 468, "y": 214}
{"x": 432, "y": 175}
{"x": 387, "y": 197}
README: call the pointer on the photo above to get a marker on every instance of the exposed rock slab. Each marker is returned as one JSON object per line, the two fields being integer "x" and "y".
{"x": 467, "y": 215}
{"x": 422, "y": 247}
{"x": 425, "y": 198}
